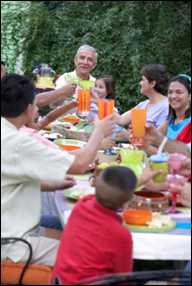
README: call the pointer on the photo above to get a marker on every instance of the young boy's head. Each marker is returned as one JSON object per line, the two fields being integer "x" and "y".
{"x": 115, "y": 186}
{"x": 17, "y": 96}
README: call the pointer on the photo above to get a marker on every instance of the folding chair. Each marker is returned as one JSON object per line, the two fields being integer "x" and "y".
{"x": 164, "y": 277}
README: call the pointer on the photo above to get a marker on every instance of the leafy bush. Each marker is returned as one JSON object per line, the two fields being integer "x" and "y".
{"x": 127, "y": 35}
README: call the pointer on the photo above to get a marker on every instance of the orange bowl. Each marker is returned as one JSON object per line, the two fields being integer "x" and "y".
{"x": 137, "y": 216}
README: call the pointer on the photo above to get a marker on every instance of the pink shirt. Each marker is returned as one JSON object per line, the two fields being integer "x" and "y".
{"x": 35, "y": 134}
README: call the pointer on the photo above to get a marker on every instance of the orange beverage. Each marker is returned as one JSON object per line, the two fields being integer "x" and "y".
{"x": 101, "y": 108}
{"x": 138, "y": 122}
{"x": 110, "y": 103}
{"x": 84, "y": 101}
{"x": 87, "y": 96}
{"x": 106, "y": 107}
{"x": 80, "y": 101}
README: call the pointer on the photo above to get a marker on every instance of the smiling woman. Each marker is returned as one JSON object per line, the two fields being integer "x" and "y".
{"x": 179, "y": 95}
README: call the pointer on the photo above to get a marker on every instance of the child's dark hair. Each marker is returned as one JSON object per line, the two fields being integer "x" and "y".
{"x": 17, "y": 92}
{"x": 186, "y": 81}
{"x": 110, "y": 85}
{"x": 115, "y": 186}
{"x": 157, "y": 73}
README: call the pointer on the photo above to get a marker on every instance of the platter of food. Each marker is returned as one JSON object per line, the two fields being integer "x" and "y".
{"x": 150, "y": 222}
{"x": 69, "y": 144}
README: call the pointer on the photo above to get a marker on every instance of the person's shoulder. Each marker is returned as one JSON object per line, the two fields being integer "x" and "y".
{"x": 143, "y": 103}
{"x": 92, "y": 78}
{"x": 85, "y": 200}
{"x": 164, "y": 103}
{"x": 69, "y": 74}
{"x": 65, "y": 79}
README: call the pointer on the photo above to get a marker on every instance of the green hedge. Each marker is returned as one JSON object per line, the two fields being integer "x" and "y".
{"x": 127, "y": 35}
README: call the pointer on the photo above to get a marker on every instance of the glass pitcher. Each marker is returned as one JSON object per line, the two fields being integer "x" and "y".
{"x": 44, "y": 75}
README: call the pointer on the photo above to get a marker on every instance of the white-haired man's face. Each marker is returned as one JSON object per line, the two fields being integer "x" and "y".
{"x": 85, "y": 62}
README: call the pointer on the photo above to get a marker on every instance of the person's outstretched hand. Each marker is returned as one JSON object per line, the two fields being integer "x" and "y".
{"x": 105, "y": 126}
{"x": 147, "y": 175}
{"x": 185, "y": 193}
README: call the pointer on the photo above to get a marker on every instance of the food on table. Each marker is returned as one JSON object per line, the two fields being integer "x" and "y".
{"x": 137, "y": 216}
{"x": 69, "y": 145}
{"x": 159, "y": 220}
{"x": 72, "y": 118}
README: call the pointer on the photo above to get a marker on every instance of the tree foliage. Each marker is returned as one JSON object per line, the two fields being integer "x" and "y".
{"x": 127, "y": 35}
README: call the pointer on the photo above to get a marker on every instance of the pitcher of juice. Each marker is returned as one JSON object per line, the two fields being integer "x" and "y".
{"x": 44, "y": 76}
{"x": 138, "y": 122}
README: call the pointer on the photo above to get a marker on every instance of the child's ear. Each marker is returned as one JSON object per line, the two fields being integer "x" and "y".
{"x": 153, "y": 83}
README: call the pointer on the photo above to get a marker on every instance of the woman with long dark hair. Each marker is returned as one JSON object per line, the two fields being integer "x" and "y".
{"x": 177, "y": 126}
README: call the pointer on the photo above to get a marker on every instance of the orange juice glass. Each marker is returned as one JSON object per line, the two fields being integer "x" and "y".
{"x": 84, "y": 102}
{"x": 87, "y": 96}
{"x": 101, "y": 105}
{"x": 110, "y": 106}
{"x": 138, "y": 122}
{"x": 80, "y": 102}
{"x": 106, "y": 107}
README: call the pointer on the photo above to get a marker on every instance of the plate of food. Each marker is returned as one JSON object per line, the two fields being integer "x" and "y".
{"x": 71, "y": 118}
{"x": 70, "y": 144}
{"x": 140, "y": 220}
{"x": 75, "y": 193}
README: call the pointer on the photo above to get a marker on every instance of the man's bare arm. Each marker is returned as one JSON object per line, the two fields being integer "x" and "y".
{"x": 48, "y": 97}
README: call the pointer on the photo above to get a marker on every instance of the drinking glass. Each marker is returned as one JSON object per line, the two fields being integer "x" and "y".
{"x": 159, "y": 162}
{"x": 84, "y": 102}
{"x": 138, "y": 122}
{"x": 175, "y": 161}
{"x": 106, "y": 107}
{"x": 176, "y": 180}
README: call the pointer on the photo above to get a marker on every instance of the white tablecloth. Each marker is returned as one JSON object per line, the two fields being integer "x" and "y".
{"x": 173, "y": 245}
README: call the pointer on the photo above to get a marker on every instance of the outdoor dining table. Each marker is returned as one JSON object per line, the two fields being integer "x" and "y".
{"x": 172, "y": 245}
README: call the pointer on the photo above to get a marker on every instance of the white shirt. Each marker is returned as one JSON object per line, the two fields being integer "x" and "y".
{"x": 70, "y": 78}
{"x": 24, "y": 164}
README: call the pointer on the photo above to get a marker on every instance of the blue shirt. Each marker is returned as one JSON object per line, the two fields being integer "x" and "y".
{"x": 173, "y": 129}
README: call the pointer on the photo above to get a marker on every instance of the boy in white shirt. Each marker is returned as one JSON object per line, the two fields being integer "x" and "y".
{"x": 25, "y": 164}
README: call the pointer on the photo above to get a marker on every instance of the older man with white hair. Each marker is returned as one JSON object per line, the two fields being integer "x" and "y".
{"x": 85, "y": 61}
